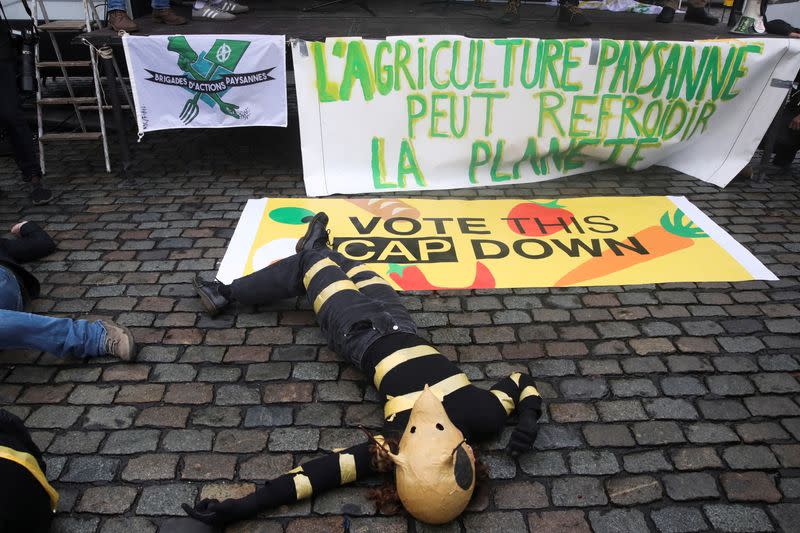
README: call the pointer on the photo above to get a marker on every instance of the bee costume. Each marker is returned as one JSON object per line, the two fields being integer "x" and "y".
{"x": 430, "y": 404}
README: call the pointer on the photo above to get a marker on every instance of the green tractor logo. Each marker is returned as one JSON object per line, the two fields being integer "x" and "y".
{"x": 209, "y": 75}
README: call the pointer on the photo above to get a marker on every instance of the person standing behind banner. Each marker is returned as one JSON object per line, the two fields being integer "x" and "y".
{"x": 119, "y": 20}
{"x": 217, "y": 10}
{"x": 787, "y": 143}
{"x": 696, "y": 11}
{"x": 569, "y": 14}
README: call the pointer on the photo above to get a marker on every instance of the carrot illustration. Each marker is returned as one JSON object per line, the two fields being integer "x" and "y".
{"x": 668, "y": 237}
{"x": 386, "y": 207}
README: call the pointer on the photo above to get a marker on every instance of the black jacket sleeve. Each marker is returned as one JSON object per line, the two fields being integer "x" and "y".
{"x": 315, "y": 476}
{"x": 34, "y": 243}
{"x": 518, "y": 392}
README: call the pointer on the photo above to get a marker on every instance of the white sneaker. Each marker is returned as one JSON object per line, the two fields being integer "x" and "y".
{"x": 228, "y": 6}
{"x": 210, "y": 13}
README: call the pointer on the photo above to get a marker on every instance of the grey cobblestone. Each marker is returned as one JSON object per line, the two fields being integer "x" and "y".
{"x": 652, "y": 461}
{"x": 617, "y": 520}
{"x": 737, "y": 518}
{"x": 690, "y": 486}
{"x": 679, "y": 520}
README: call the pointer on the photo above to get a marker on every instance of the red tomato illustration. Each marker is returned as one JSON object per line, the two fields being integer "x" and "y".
{"x": 535, "y": 219}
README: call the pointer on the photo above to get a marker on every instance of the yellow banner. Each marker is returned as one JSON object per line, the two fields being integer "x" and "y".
{"x": 431, "y": 244}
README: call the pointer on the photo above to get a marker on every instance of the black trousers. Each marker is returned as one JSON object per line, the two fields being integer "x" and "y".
{"x": 354, "y": 305}
{"x": 13, "y": 120}
{"x": 788, "y": 142}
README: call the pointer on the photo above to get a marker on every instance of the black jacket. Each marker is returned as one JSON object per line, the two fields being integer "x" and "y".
{"x": 24, "y": 503}
{"x": 34, "y": 243}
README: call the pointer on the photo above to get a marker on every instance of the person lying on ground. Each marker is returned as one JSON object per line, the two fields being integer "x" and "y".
{"x": 27, "y": 501}
{"x": 431, "y": 409}
{"x": 58, "y": 336}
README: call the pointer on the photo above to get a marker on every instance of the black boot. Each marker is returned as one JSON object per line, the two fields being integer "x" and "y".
{"x": 569, "y": 14}
{"x": 316, "y": 235}
{"x": 511, "y": 15}
{"x": 210, "y": 293}
{"x": 699, "y": 15}
{"x": 666, "y": 16}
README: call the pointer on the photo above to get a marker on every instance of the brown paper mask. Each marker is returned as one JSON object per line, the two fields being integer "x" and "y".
{"x": 435, "y": 467}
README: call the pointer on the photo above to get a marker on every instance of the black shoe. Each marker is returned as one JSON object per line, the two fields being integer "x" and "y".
{"x": 666, "y": 16}
{"x": 569, "y": 14}
{"x": 40, "y": 195}
{"x": 700, "y": 16}
{"x": 213, "y": 301}
{"x": 316, "y": 235}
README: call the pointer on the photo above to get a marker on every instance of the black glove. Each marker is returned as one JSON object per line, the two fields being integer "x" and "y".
{"x": 524, "y": 435}
{"x": 214, "y": 512}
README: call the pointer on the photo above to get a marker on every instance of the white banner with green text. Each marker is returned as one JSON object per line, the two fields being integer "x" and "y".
{"x": 445, "y": 112}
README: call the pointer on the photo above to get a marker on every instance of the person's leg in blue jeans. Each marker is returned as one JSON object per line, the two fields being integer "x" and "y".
{"x": 59, "y": 336}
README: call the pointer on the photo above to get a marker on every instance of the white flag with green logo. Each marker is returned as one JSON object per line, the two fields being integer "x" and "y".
{"x": 207, "y": 81}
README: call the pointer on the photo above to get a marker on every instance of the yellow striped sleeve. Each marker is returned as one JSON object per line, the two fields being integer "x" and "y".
{"x": 372, "y": 281}
{"x": 530, "y": 390}
{"x": 399, "y": 357}
{"x": 315, "y": 268}
{"x": 347, "y": 468}
{"x": 302, "y": 486}
{"x": 330, "y": 290}
{"x": 357, "y": 270}
{"x": 505, "y": 400}
{"x": 441, "y": 389}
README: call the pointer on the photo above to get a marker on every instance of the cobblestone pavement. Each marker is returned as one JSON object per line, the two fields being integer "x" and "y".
{"x": 670, "y": 407}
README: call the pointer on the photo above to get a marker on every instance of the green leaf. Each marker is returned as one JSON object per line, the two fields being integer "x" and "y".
{"x": 394, "y": 268}
{"x": 676, "y": 226}
{"x": 553, "y": 204}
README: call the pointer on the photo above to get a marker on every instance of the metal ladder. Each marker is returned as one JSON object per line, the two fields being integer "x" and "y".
{"x": 79, "y": 104}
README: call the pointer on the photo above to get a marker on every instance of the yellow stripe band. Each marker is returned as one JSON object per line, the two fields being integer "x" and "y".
{"x": 330, "y": 290}
{"x": 447, "y": 386}
{"x": 302, "y": 486}
{"x": 505, "y": 400}
{"x": 347, "y": 468}
{"x": 530, "y": 390}
{"x": 358, "y": 269}
{"x": 295, "y": 470}
{"x": 399, "y": 357}
{"x": 315, "y": 268}
{"x": 28, "y": 462}
{"x": 515, "y": 378}
{"x": 372, "y": 281}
